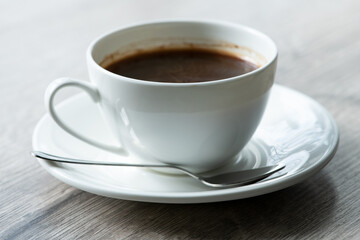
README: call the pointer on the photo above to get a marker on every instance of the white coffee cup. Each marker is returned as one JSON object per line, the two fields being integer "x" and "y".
{"x": 198, "y": 125}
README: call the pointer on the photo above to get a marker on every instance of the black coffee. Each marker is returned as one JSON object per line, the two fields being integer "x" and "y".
{"x": 181, "y": 66}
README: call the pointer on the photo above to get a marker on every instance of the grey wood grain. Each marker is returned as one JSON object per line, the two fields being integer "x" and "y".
{"x": 319, "y": 49}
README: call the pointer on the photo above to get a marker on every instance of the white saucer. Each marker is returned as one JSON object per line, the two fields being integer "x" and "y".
{"x": 295, "y": 130}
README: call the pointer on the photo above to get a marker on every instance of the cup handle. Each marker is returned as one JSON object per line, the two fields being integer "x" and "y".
{"x": 89, "y": 88}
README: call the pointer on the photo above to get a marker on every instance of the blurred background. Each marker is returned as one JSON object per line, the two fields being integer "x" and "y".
{"x": 65, "y": 28}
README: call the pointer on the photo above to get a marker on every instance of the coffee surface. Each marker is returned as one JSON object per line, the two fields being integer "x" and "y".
{"x": 181, "y": 66}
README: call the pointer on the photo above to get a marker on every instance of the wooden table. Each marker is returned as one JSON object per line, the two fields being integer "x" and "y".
{"x": 319, "y": 54}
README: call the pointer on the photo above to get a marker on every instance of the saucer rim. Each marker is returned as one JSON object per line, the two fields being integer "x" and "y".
{"x": 211, "y": 195}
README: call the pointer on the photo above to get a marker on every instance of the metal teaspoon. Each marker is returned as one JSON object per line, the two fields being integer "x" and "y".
{"x": 229, "y": 179}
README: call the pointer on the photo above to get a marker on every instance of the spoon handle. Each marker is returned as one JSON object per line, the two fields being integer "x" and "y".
{"x": 50, "y": 157}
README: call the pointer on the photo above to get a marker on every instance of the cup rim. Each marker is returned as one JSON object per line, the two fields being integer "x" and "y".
{"x": 202, "y": 21}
